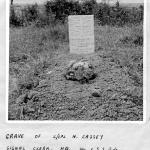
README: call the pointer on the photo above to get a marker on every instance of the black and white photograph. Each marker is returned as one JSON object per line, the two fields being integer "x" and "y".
{"x": 76, "y": 60}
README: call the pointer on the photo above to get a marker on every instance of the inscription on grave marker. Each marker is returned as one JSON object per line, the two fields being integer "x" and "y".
{"x": 81, "y": 34}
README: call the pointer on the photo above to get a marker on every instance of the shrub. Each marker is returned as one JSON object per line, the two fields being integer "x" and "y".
{"x": 63, "y": 8}
{"x": 88, "y": 7}
{"x": 118, "y": 15}
{"x": 136, "y": 36}
{"x": 59, "y": 32}
{"x": 59, "y": 10}
{"x": 23, "y": 16}
{"x": 44, "y": 20}
{"x": 14, "y": 19}
{"x": 103, "y": 14}
{"x": 31, "y": 13}
{"x": 56, "y": 7}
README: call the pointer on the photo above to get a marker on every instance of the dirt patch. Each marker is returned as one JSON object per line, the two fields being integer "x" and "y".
{"x": 38, "y": 89}
{"x": 56, "y": 98}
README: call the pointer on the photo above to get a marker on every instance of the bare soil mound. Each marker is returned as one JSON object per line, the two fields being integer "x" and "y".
{"x": 110, "y": 96}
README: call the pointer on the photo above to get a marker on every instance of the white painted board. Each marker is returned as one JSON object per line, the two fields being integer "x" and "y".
{"x": 81, "y": 34}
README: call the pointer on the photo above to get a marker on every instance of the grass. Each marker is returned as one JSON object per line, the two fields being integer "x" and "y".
{"x": 34, "y": 51}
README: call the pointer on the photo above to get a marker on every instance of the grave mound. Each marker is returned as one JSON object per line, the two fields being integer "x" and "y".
{"x": 81, "y": 71}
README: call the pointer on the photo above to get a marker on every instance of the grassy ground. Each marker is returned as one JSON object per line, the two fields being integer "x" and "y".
{"x": 39, "y": 91}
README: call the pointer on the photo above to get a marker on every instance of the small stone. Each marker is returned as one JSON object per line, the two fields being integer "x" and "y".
{"x": 35, "y": 99}
{"x": 124, "y": 97}
{"x": 42, "y": 83}
{"x": 30, "y": 110}
{"x": 22, "y": 99}
{"x": 96, "y": 93}
{"x": 97, "y": 87}
{"x": 49, "y": 72}
{"x": 114, "y": 96}
{"x": 36, "y": 83}
{"x": 83, "y": 108}
{"x": 32, "y": 93}
{"x": 44, "y": 114}
{"x": 42, "y": 103}
{"x": 59, "y": 108}
{"x": 29, "y": 86}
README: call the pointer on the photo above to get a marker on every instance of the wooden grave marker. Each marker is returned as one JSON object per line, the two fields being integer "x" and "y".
{"x": 81, "y": 34}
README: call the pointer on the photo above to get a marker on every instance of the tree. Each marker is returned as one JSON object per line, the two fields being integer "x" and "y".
{"x": 106, "y": 1}
{"x": 88, "y": 7}
{"x": 141, "y": 9}
{"x": 117, "y": 4}
{"x": 11, "y": 2}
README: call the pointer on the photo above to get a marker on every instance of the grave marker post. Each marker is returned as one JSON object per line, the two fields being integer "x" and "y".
{"x": 81, "y": 34}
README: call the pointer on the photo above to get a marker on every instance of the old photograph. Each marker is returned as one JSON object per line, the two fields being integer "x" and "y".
{"x": 76, "y": 60}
